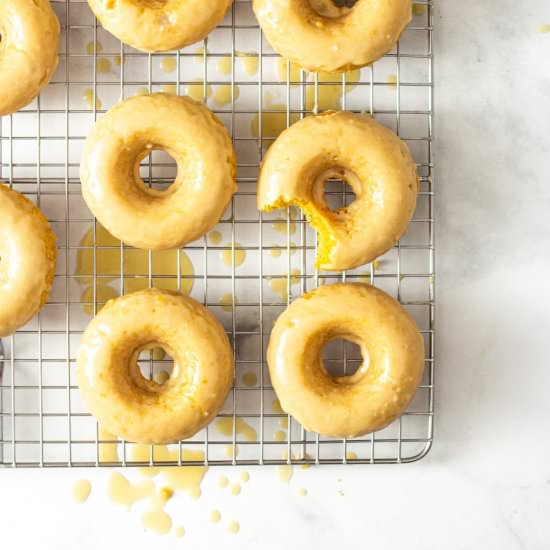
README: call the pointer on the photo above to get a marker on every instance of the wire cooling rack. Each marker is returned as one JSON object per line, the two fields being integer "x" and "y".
{"x": 43, "y": 420}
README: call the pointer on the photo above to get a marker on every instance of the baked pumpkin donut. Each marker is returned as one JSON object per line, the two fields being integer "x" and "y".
{"x": 159, "y": 25}
{"x": 319, "y": 36}
{"x": 205, "y": 181}
{"x": 386, "y": 381}
{"x": 29, "y": 35}
{"x": 370, "y": 158}
{"x": 27, "y": 260}
{"x": 140, "y": 410}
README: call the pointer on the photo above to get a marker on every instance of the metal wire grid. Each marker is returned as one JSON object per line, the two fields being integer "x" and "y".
{"x": 43, "y": 422}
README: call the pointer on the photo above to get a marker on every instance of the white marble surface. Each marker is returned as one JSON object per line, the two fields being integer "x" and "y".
{"x": 486, "y": 483}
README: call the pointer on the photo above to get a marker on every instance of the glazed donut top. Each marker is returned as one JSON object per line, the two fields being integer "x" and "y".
{"x": 141, "y": 410}
{"x": 27, "y": 260}
{"x": 159, "y": 25}
{"x": 375, "y": 163}
{"x": 381, "y": 388}
{"x": 339, "y": 40}
{"x": 148, "y": 218}
{"x": 29, "y": 34}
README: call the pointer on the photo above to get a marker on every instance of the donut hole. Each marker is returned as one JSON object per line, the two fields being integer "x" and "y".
{"x": 155, "y": 364}
{"x": 338, "y": 194}
{"x": 158, "y": 170}
{"x": 334, "y": 188}
{"x": 332, "y": 9}
{"x": 343, "y": 359}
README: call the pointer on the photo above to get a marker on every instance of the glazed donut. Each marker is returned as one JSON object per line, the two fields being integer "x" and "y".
{"x": 378, "y": 392}
{"x": 159, "y": 25}
{"x": 320, "y": 37}
{"x": 27, "y": 260}
{"x": 140, "y": 410}
{"x": 148, "y": 218}
{"x": 29, "y": 34}
{"x": 370, "y": 158}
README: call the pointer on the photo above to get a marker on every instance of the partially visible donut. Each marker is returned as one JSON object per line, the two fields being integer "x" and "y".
{"x": 29, "y": 36}
{"x": 159, "y": 25}
{"x": 321, "y": 37}
{"x": 27, "y": 260}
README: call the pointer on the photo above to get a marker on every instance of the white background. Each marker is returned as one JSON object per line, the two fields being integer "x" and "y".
{"x": 486, "y": 483}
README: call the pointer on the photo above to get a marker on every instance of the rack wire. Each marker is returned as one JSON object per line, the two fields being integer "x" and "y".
{"x": 43, "y": 421}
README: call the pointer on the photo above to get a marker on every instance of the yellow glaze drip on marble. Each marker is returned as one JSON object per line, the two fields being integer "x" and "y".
{"x": 233, "y": 527}
{"x": 103, "y": 65}
{"x": 161, "y": 377}
{"x": 199, "y": 54}
{"x": 227, "y": 301}
{"x": 224, "y": 65}
{"x": 108, "y": 452}
{"x": 244, "y": 477}
{"x": 215, "y": 237}
{"x": 156, "y": 519}
{"x": 230, "y": 451}
{"x": 169, "y": 89}
{"x": 234, "y": 489}
{"x": 274, "y": 122}
{"x": 285, "y": 472}
{"x": 89, "y": 99}
{"x": 108, "y": 257}
{"x": 419, "y": 9}
{"x": 283, "y": 71}
{"x": 196, "y": 90}
{"x": 250, "y": 64}
{"x": 391, "y": 79}
{"x": 223, "y": 94}
{"x": 279, "y": 285}
{"x": 287, "y": 227}
{"x": 223, "y": 482}
{"x": 228, "y": 257}
{"x": 179, "y": 478}
{"x": 249, "y": 379}
{"x": 81, "y": 491}
{"x": 224, "y": 426}
{"x": 168, "y": 64}
{"x": 125, "y": 493}
{"x": 91, "y": 48}
{"x": 330, "y": 89}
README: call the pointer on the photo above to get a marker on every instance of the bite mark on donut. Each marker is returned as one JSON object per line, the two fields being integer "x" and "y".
{"x": 318, "y": 220}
